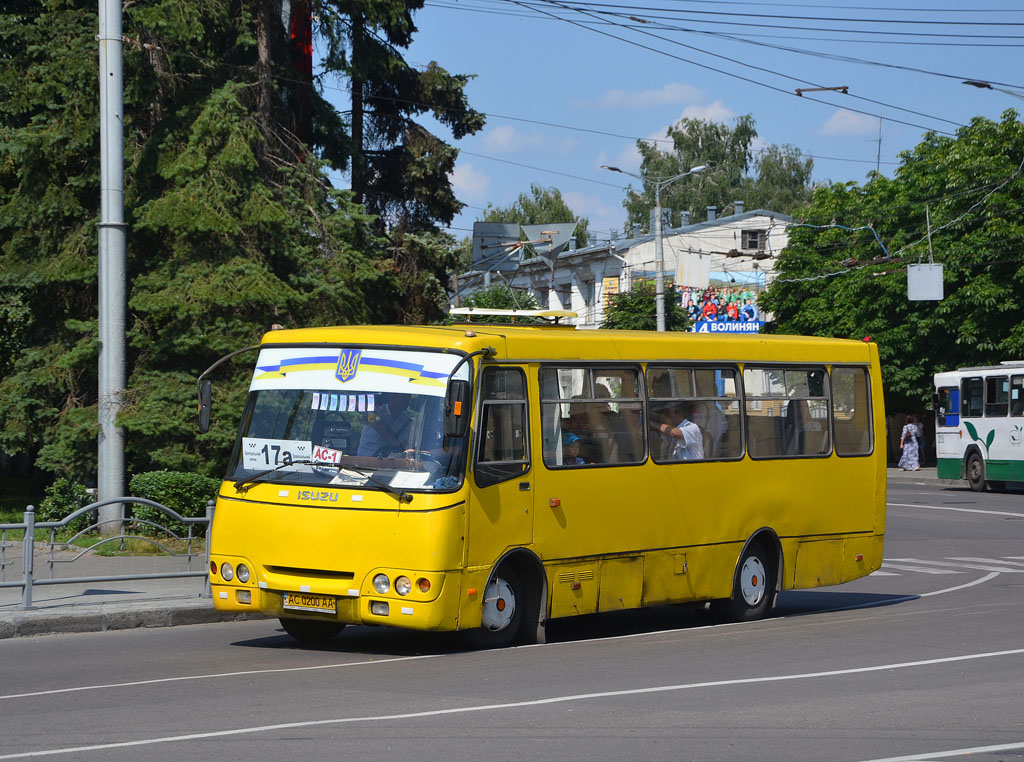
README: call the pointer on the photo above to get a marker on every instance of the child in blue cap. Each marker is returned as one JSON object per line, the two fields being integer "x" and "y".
{"x": 571, "y": 450}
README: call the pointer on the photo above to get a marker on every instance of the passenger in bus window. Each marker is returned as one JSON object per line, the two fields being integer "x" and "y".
{"x": 686, "y": 437}
{"x": 571, "y": 450}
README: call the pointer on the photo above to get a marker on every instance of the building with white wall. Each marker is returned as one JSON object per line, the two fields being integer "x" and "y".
{"x": 738, "y": 249}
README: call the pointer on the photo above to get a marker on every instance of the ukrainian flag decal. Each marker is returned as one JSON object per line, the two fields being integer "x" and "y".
{"x": 348, "y": 364}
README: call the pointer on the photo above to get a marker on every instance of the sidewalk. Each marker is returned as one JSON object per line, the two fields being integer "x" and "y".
{"x": 922, "y": 476}
{"x": 99, "y": 606}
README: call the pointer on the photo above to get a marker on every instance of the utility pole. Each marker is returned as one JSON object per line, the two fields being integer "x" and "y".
{"x": 112, "y": 275}
{"x": 659, "y": 256}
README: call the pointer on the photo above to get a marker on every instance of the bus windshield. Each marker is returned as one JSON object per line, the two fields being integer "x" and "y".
{"x": 366, "y": 418}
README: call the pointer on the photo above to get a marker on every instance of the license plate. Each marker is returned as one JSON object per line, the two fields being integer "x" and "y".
{"x": 324, "y": 604}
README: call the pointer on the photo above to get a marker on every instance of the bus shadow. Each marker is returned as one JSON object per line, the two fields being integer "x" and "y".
{"x": 802, "y": 602}
{"x": 398, "y": 643}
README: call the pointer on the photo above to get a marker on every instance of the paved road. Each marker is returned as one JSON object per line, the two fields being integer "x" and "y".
{"x": 924, "y": 660}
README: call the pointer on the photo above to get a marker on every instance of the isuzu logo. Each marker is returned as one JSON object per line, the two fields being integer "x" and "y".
{"x": 312, "y": 494}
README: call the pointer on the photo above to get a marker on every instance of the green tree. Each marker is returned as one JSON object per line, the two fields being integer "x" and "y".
{"x": 838, "y": 281}
{"x": 502, "y": 297}
{"x": 538, "y": 206}
{"x": 232, "y": 222}
{"x": 775, "y": 178}
{"x": 400, "y": 171}
{"x": 636, "y": 310}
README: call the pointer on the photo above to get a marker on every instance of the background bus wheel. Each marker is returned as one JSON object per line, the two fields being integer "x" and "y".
{"x": 502, "y": 619}
{"x": 976, "y": 473}
{"x": 752, "y": 589}
{"x": 311, "y": 630}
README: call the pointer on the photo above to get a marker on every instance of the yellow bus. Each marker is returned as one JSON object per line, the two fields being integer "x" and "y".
{"x": 489, "y": 478}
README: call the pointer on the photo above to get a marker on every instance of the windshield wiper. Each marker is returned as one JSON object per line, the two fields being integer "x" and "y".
{"x": 402, "y": 495}
{"x": 242, "y": 482}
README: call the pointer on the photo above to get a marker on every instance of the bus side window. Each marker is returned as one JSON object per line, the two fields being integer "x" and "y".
{"x": 1017, "y": 396}
{"x": 972, "y": 392}
{"x": 597, "y": 412}
{"x": 502, "y": 447}
{"x": 997, "y": 396}
{"x": 851, "y": 411}
{"x": 787, "y": 412}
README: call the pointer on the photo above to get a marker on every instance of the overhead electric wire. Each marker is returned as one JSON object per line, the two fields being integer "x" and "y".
{"x": 592, "y": 4}
{"x": 731, "y": 74}
{"x": 460, "y": 6}
{"x": 587, "y": 7}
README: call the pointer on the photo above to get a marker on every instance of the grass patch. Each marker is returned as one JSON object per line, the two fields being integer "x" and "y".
{"x": 115, "y": 547}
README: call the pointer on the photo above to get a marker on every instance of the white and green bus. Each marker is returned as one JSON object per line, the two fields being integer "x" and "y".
{"x": 979, "y": 425}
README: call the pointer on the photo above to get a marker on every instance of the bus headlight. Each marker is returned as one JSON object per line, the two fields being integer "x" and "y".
{"x": 227, "y": 571}
{"x": 243, "y": 573}
{"x": 403, "y": 585}
{"x": 381, "y": 583}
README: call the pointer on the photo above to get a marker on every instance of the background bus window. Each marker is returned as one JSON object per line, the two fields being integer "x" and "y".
{"x": 600, "y": 407}
{"x": 997, "y": 396}
{"x": 708, "y": 397}
{"x": 792, "y": 417}
{"x": 972, "y": 392}
{"x": 502, "y": 451}
{"x": 947, "y": 406}
{"x": 1017, "y": 395}
{"x": 851, "y": 411}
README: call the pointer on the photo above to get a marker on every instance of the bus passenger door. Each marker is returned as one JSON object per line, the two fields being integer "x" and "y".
{"x": 501, "y": 491}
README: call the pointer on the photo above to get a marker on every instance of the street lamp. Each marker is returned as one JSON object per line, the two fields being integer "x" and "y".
{"x": 659, "y": 257}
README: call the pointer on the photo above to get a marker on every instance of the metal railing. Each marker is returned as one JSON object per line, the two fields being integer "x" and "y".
{"x": 52, "y": 545}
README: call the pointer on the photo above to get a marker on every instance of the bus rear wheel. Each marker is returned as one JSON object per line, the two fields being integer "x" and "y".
{"x": 312, "y": 631}
{"x": 976, "y": 473}
{"x": 753, "y": 587}
{"x": 502, "y": 616}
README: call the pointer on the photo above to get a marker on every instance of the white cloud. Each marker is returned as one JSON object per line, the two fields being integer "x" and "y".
{"x": 845, "y": 122}
{"x": 508, "y": 139}
{"x": 468, "y": 183}
{"x": 712, "y": 112}
{"x": 585, "y": 205}
{"x": 673, "y": 92}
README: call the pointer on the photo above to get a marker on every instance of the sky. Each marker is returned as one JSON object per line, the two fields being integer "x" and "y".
{"x": 570, "y": 86}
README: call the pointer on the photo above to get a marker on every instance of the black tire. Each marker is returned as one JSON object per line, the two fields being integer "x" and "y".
{"x": 312, "y": 631}
{"x": 976, "y": 473}
{"x": 504, "y": 602}
{"x": 753, "y": 587}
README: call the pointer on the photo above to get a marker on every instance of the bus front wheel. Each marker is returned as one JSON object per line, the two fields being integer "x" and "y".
{"x": 752, "y": 587}
{"x": 502, "y": 615}
{"x": 313, "y": 631}
{"x": 976, "y": 473}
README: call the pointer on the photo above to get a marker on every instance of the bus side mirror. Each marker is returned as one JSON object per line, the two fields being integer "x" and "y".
{"x": 456, "y": 409}
{"x": 205, "y": 396}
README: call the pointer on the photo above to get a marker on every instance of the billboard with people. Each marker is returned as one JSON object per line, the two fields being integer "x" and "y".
{"x": 728, "y": 304}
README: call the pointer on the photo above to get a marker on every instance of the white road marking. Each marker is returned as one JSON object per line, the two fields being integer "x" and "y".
{"x": 986, "y": 578}
{"x": 241, "y": 673}
{"x": 929, "y": 755}
{"x": 961, "y": 510}
{"x": 922, "y": 569}
{"x": 961, "y": 564}
{"x": 519, "y": 704}
{"x": 988, "y": 560}
{"x": 881, "y": 573}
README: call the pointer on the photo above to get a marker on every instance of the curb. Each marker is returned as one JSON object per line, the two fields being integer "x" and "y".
{"x": 33, "y": 623}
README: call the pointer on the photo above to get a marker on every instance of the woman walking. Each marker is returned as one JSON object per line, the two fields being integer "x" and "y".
{"x": 909, "y": 460}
